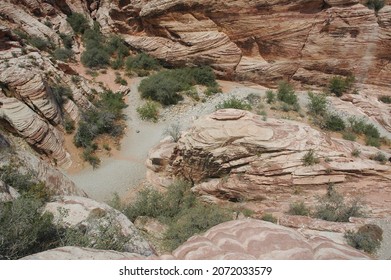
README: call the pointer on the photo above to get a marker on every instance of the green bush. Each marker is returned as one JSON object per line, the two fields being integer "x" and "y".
{"x": 310, "y": 158}
{"x": 116, "y": 45}
{"x": 88, "y": 155}
{"x": 385, "y": 99}
{"x": 69, "y": 125}
{"x": 298, "y": 208}
{"x": 368, "y": 238}
{"x": 61, "y": 94}
{"x": 24, "y": 230}
{"x": 356, "y": 152}
{"x": 120, "y": 80}
{"x": 270, "y": 96}
{"x": 339, "y": 85}
{"x": 269, "y": 218}
{"x": 95, "y": 57}
{"x": 63, "y": 54}
{"x": 286, "y": 94}
{"x": 348, "y": 135}
{"x": 380, "y": 157}
{"x": 149, "y": 111}
{"x": 317, "y": 105}
{"x": 376, "y": 5}
{"x": 332, "y": 207}
{"x": 234, "y": 103}
{"x": 371, "y": 141}
{"x": 39, "y": 43}
{"x": 334, "y": 122}
{"x": 78, "y": 22}
{"x": 66, "y": 40}
{"x": 210, "y": 90}
{"x": 141, "y": 61}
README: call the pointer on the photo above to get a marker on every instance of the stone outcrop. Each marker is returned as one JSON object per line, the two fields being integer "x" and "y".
{"x": 246, "y": 239}
{"x": 237, "y": 156}
{"x": 92, "y": 216}
{"x": 262, "y": 41}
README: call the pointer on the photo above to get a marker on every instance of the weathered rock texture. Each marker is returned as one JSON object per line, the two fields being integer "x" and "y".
{"x": 28, "y": 106}
{"x": 241, "y": 239}
{"x": 92, "y": 216}
{"x": 263, "y": 41}
{"x": 235, "y": 155}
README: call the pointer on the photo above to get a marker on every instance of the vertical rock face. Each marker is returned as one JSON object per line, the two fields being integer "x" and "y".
{"x": 263, "y": 41}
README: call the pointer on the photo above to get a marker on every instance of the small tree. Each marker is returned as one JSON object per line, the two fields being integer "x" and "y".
{"x": 78, "y": 22}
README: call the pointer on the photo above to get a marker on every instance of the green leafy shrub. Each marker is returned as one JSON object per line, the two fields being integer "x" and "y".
{"x": 334, "y": 122}
{"x": 78, "y": 22}
{"x": 66, "y": 40}
{"x": 385, "y": 99}
{"x": 286, "y": 94}
{"x": 332, "y": 207}
{"x": 63, "y": 54}
{"x": 368, "y": 238}
{"x": 269, "y": 218}
{"x": 317, "y": 105}
{"x": 234, "y": 103}
{"x": 371, "y": 141}
{"x": 39, "y": 43}
{"x": 95, "y": 57}
{"x": 24, "y": 230}
{"x": 376, "y": 5}
{"x": 69, "y": 125}
{"x": 310, "y": 158}
{"x": 270, "y": 96}
{"x": 348, "y": 135}
{"x": 380, "y": 157}
{"x": 61, "y": 94}
{"x": 298, "y": 208}
{"x": 339, "y": 85}
{"x": 116, "y": 45}
{"x": 149, "y": 111}
{"x": 141, "y": 61}
{"x": 88, "y": 155}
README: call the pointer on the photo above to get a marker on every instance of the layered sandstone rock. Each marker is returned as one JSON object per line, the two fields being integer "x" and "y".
{"x": 241, "y": 239}
{"x": 237, "y": 156}
{"x": 93, "y": 217}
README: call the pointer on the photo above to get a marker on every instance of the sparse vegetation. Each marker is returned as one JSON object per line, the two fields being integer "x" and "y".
{"x": 179, "y": 209}
{"x": 149, "y": 111}
{"x": 268, "y": 217}
{"x": 286, "y": 94}
{"x": 234, "y": 103}
{"x": 174, "y": 130}
{"x": 270, "y": 96}
{"x": 78, "y": 22}
{"x": 368, "y": 238}
{"x": 69, "y": 125}
{"x": 348, "y": 135}
{"x": 385, "y": 99}
{"x": 333, "y": 207}
{"x": 166, "y": 86}
{"x": 380, "y": 157}
{"x": 63, "y": 54}
{"x": 356, "y": 152}
{"x": 376, "y": 5}
{"x": 339, "y": 85}
{"x": 310, "y": 158}
{"x": 298, "y": 208}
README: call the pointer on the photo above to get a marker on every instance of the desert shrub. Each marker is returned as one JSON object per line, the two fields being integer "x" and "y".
{"x": 95, "y": 57}
{"x": 78, "y": 22}
{"x": 213, "y": 89}
{"x": 376, "y": 5}
{"x": 286, "y": 94}
{"x": 24, "y": 230}
{"x": 117, "y": 63}
{"x": 368, "y": 238}
{"x": 174, "y": 130}
{"x": 234, "y": 103}
{"x": 203, "y": 76}
{"x": 380, "y": 157}
{"x": 39, "y": 43}
{"x": 269, "y": 218}
{"x": 88, "y": 155}
{"x": 339, "y": 85}
{"x": 298, "y": 208}
{"x": 332, "y": 207}
{"x": 116, "y": 45}
{"x": 61, "y": 94}
{"x": 270, "y": 96}
{"x": 371, "y": 141}
{"x": 63, "y": 54}
{"x": 66, "y": 40}
{"x": 310, "y": 158}
{"x": 317, "y": 105}
{"x": 120, "y": 80}
{"x": 385, "y": 99}
{"x": 10, "y": 175}
{"x": 141, "y": 61}
{"x": 21, "y": 34}
{"x": 334, "y": 122}
{"x": 112, "y": 102}
{"x": 348, "y": 135}
{"x": 192, "y": 221}
{"x": 69, "y": 125}
{"x": 356, "y": 152}
{"x": 149, "y": 111}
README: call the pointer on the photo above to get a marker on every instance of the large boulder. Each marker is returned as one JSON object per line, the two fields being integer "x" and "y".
{"x": 237, "y": 156}
{"x": 96, "y": 219}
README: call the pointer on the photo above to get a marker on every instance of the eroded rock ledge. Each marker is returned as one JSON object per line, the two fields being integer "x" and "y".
{"x": 235, "y": 155}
